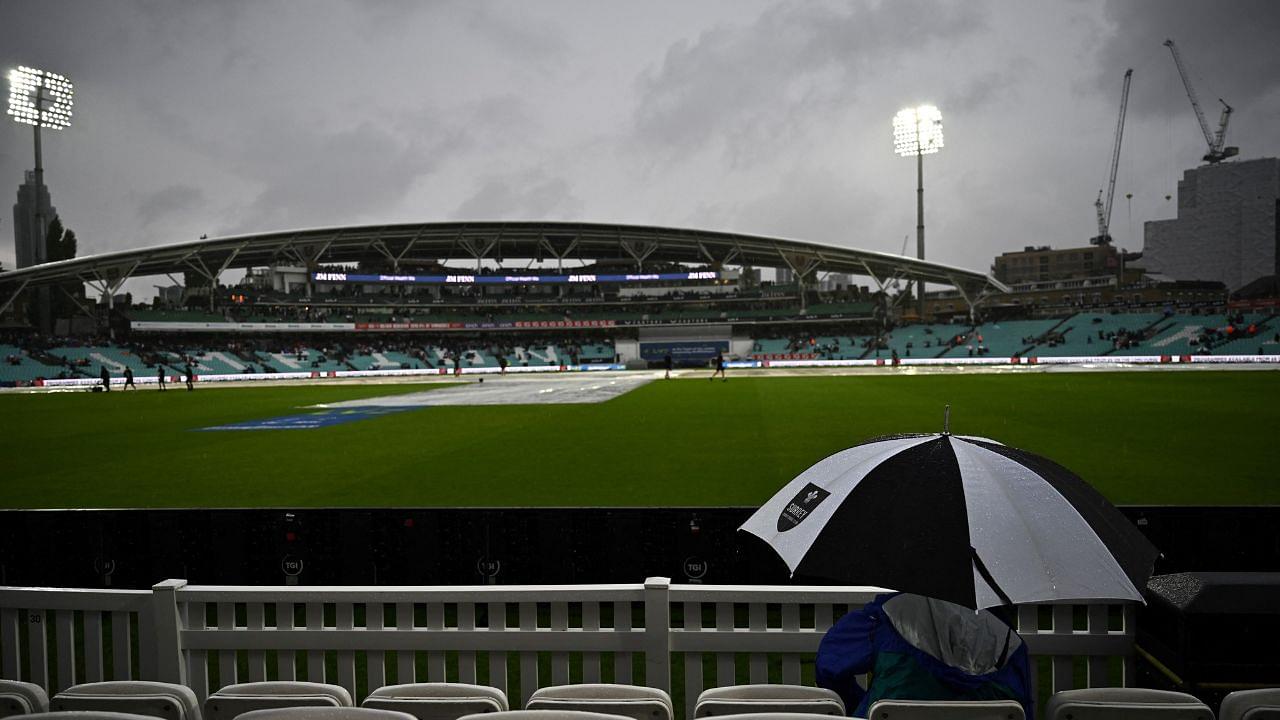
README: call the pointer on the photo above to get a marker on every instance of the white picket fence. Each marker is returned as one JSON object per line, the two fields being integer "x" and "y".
{"x": 681, "y": 638}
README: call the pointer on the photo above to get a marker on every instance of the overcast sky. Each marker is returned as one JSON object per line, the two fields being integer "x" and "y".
{"x": 760, "y": 117}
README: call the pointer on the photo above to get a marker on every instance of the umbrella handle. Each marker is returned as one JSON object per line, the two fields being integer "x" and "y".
{"x": 946, "y": 420}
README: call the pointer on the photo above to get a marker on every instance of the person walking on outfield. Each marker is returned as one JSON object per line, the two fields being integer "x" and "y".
{"x": 106, "y": 379}
{"x": 666, "y": 361}
{"x": 502, "y": 363}
{"x": 128, "y": 378}
{"x": 457, "y": 365}
{"x": 719, "y": 367}
{"x": 160, "y": 376}
{"x": 191, "y": 377}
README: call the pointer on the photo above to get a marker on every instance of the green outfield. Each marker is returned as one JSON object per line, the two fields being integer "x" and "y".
{"x": 1141, "y": 438}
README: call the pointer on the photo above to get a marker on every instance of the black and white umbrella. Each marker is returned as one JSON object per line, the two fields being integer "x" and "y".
{"x": 963, "y": 519}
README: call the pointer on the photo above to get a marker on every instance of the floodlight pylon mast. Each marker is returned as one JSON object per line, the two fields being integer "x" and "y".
{"x": 918, "y": 131}
{"x": 919, "y": 224}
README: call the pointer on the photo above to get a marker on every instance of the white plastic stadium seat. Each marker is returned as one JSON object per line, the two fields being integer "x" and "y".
{"x": 946, "y": 710}
{"x": 737, "y": 699}
{"x": 322, "y": 712}
{"x": 544, "y": 715}
{"x": 1125, "y": 704}
{"x": 633, "y": 701}
{"x": 1263, "y": 704}
{"x": 139, "y": 697}
{"x": 22, "y": 698}
{"x": 80, "y": 715}
{"x": 438, "y": 701}
{"x": 235, "y": 700}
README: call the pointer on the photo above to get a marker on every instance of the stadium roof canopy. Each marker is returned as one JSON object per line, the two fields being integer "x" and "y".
{"x": 478, "y": 241}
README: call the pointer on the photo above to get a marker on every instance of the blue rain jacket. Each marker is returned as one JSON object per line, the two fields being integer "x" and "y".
{"x": 919, "y": 648}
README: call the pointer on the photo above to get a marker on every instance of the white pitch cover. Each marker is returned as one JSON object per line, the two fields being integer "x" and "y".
{"x": 1036, "y": 546}
{"x": 838, "y": 474}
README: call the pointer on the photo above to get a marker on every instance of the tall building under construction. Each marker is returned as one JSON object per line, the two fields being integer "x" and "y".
{"x": 1226, "y": 228}
{"x": 31, "y": 217}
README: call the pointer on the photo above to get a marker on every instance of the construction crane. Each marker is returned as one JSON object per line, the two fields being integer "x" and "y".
{"x": 1217, "y": 153}
{"x": 1104, "y": 209}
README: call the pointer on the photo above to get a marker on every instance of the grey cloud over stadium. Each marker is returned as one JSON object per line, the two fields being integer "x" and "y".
{"x": 756, "y": 117}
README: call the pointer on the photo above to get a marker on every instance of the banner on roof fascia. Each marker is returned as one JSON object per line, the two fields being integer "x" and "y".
{"x": 156, "y": 326}
{"x": 535, "y": 279}
{"x": 409, "y": 326}
{"x": 525, "y": 324}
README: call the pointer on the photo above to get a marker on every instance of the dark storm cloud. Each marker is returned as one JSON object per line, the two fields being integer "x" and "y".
{"x": 812, "y": 204}
{"x": 530, "y": 195}
{"x": 982, "y": 90}
{"x": 748, "y": 84}
{"x": 1229, "y": 46}
{"x": 751, "y": 115}
{"x": 167, "y": 202}
{"x": 313, "y": 179}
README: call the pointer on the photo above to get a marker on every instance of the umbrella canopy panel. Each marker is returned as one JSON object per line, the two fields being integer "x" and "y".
{"x": 961, "y": 519}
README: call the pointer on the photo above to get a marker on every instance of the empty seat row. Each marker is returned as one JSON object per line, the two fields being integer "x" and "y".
{"x": 420, "y": 701}
{"x": 143, "y": 700}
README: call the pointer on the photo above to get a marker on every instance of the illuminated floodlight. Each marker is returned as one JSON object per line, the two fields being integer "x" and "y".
{"x": 917, "y": 131}
{"x": 41, "y": 98}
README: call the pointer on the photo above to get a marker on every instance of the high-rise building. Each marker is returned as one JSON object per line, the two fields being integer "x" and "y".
{"x": 1226, "y": 229}
{"x": 29, "y": 230}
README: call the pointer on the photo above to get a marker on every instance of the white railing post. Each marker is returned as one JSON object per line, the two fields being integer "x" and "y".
{"x": 167, "y": 628}
{"x": 657, "y": 633}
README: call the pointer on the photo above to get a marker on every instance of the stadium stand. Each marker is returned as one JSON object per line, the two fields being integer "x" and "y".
{"x": 922, "y": 340}
{"x": 1002, "y": 339}
{"x": 91, "y": 357}
{"x": 1183, "y": 334}
{"x": 1087, "y": 334}
{"x": 400, "y": 331}
{"x": 821, "y": 347}
{"x": 18, "y": 365}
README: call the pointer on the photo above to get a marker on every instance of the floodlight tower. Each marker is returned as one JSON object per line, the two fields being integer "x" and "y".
{"x": 918, "y": 131}
{"x": 42, "y": 100}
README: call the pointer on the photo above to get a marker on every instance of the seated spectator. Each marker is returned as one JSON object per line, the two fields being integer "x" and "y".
{"x": 919, "y": 648}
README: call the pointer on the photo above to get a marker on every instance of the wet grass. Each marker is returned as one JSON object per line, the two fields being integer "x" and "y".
{"x": 1142, "y": 438}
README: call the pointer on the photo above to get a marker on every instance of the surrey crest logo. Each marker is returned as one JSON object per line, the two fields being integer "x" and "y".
{"x": 809, "y": 497}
